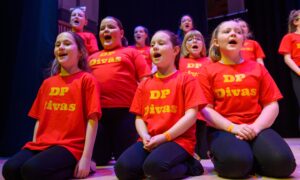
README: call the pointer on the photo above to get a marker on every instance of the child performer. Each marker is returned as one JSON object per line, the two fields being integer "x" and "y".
{"x": 290, "y": 49}
{"x": 78, "y": 21}
{"x": 194, "y": 57}
{"x": 118, "y": 70}
{"x": 166, "y": 106}
{"x": 242, "y": 107}
{"x": 251, "y": 49}
{"x": 67, "y": 109}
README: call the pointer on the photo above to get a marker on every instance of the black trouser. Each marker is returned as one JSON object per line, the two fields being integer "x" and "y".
{"x": 116, "y": 132}
{"x": 201, "y": 147}
{"x": 296, "y": 87}
{"x": 268, "y": 155}
{"x": 54, "y": 163}
{"x": 167, "y": 161}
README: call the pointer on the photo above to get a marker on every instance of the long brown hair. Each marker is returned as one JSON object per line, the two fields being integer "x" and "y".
{"x": 175, "y": 42}
{"x": 82, "y": 62}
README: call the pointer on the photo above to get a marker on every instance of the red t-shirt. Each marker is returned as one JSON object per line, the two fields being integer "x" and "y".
{"x": 192, "y": 66}
{"x": 238, "y": 92}
{"x": 251, "y": 50}
{"x": 161, "y": 102}
{"x": 145, "y": 51}
{"x": 290, "y": 44}
{"x": 118, "y": 72}
{"x": 63, "y": 106}
{"x": 90, "y": 42}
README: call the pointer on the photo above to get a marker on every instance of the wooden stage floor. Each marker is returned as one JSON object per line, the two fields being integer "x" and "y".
{"x": 107, "y": 173}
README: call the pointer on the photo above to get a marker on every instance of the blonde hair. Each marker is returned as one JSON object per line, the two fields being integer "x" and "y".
{"x": 214, "y": 51}
{"x": 184, "y": 50}
{"x": 292, "y": 17}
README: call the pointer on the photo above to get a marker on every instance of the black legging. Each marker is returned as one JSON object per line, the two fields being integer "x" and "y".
{"x": 116, "y": 132}
{"x": 201, "y": 147}
{"x": 167, "y": 161}
{"x": 54, "y": 163}
{"x": 296, "y": 87}
{"x": 268, "y": 154}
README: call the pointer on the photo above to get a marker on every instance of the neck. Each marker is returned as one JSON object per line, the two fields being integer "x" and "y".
{"x": 76, "y": 30}
{"x": 194, "y": 56}
{"x": 68, "y": 71}
{"x": 140, "y": 45}
{"x": 231, "y": 59}
{"x": 297, "y": 30}
{"x": 161, "y": 72}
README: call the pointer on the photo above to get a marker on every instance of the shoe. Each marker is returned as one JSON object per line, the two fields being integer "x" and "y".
{"x": 194, "y": 167}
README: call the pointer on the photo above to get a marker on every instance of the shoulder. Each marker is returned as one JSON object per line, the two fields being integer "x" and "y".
{"x": 289, "y": 36}
{"x": 87, "y": 76}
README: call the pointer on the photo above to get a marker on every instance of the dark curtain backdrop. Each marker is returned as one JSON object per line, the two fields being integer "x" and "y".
{"x": 31, "y": 30}
{"x": 154, "y": 14}
{"x": 268, "y": 20}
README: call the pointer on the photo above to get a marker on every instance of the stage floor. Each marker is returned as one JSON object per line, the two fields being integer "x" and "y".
{"x": 107, "y": 173}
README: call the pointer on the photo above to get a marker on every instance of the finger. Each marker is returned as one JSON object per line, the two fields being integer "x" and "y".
{"x": 239, "y": 137}
{"x": 242, "y": 134}
{"x": 249, "y": 132}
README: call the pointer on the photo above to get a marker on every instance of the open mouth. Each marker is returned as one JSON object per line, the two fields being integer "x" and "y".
{"x": 232, "y": 42}
{"x": 76, "y": 22}
{"x": 156, "y": 55}
{"x": 61, "y": 55}
{"x": 195, "y": 47}
{"x": 107, "y": 37}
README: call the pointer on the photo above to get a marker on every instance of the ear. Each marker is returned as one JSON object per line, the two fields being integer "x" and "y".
{"x": 215, "y": 43}
{"x": 176, "y": 49}
{"x": 122, "y": 33}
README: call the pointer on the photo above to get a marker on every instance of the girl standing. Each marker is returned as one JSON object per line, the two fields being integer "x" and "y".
{"x": 118, "y": 70}
{"x": 290, "y": 49}
{"x": 78, "y": 21}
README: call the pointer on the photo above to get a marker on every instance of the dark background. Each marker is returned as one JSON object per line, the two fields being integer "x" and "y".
{"x": 30, "y": 29}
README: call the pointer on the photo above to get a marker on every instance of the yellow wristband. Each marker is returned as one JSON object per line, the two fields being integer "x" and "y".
{"x": 230, "y": 128}
{"x": 298, "y": 73}
{"x": 168, "y": 136}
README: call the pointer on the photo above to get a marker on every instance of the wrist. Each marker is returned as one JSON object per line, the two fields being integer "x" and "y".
{"x": 145, "y": 136}
{"x": 167, "y": 136}
{"x": 230, "y": 128}
{"x": 298, "y": 73}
